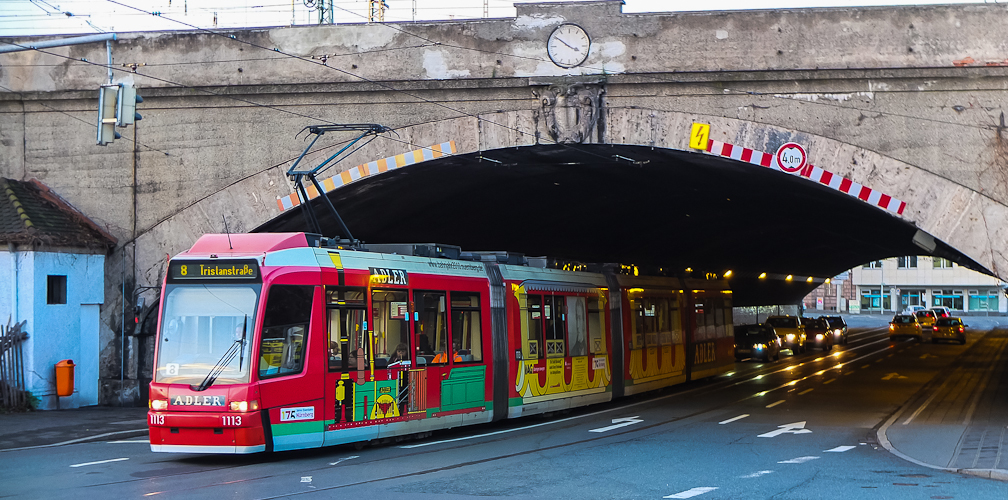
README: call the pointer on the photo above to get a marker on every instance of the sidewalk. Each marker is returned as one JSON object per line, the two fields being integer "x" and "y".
{"x": 959, "y": 423}
{"x": 52, "y": 427}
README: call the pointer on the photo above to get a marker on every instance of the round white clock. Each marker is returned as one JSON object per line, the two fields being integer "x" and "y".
{"x": 568, "y": 45}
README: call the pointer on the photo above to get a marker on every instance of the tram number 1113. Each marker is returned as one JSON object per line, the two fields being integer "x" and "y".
{"x": 231, "y": 420}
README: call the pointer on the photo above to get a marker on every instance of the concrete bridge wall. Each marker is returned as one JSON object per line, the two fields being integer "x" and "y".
{"x": 907, "y": 100}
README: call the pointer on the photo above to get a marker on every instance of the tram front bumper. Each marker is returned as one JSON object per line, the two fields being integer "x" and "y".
{"x": 206, "y": 432}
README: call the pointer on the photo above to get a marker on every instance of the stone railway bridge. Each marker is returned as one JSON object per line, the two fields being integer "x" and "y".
{"x": 907, "y": 101}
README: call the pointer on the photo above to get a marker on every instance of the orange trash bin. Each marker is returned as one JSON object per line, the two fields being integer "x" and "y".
{"x": 65, "y": 378}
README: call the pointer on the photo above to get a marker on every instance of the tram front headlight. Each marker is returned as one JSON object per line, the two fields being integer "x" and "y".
{"x": 244, "y": 405}
{"x": 158, "y": 404}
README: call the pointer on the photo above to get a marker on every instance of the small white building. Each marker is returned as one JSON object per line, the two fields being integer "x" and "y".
{"x": 52, "y": 275}
{"x": 892, "y": 285}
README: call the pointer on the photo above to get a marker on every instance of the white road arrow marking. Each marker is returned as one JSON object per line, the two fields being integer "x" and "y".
{"x": 893, "y": 375}
{"x": 799, "y": 460}
{"x": 692, "y": 492}
{"x": 343, "y": 459}
{"x": 794, "y": 428}
{"x": 620, "y": 422}
{"x": 926, "y": 356}
{"x": 730, "y": 420}
{"x": 306, "y": 479}
{"x": 839, "y": 449}
{"x": 756, "y": 474}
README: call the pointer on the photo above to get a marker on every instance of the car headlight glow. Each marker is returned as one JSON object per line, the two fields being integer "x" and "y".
{"x": 819, "y": 336}
{"x": 790, "y": 336}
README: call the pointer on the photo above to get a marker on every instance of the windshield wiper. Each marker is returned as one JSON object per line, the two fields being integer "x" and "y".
{"x": 236, "y": 347}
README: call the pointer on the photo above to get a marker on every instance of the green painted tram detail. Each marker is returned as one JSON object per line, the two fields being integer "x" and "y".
{"x": 464, "y": 388}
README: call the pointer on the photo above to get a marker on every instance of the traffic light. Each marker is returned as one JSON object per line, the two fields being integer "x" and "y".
{"x": 107, "y": 98}
{"x": 126, "y": 108}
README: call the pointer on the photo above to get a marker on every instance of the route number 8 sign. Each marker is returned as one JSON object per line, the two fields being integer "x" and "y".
{"x": 791, "y": 157}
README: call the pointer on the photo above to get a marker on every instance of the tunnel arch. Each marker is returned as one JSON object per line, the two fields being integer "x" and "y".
{"x": 956, "y": 216}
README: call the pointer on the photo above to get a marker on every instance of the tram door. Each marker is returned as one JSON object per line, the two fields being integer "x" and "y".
{"x": 432, "y": 349}
{"x": 346, "y": 339}
{"x": 290, "y": 378}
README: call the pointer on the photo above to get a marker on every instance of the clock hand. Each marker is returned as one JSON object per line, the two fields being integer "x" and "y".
{"x": 575, "y": 49}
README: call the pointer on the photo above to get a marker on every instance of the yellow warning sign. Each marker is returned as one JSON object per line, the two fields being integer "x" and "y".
{"x": 699, "y": 136}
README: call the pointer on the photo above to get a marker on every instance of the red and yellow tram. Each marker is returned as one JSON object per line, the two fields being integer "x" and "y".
{"x": 270, "y": 342}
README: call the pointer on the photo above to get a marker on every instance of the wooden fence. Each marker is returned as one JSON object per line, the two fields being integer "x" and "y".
{"x": 12, "y": 384}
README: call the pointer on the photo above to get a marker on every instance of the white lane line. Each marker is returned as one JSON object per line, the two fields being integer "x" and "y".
{"x": 692, "y": 492}
{"x": 99, "y": 462}
{"x": 771, "y": 405}
{"x": 806, "y": 391}
{"x": 144, "y": 441}
{"x": 799, "y": 460}
{"x": 756, "y": 474}
{"x": 730, "y": 420}
{"x": 839, "y": 449}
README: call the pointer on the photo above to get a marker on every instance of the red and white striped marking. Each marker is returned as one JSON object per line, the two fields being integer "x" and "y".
{"x": 360, "y": 171}
{"x": 840, "y": 183}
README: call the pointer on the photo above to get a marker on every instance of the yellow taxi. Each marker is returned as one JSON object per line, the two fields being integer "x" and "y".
{"x": 905, "y": 325}
{"x": 926, "y": 318}
{"x": 791, "y": 331}
{"x": 948, "y": 329}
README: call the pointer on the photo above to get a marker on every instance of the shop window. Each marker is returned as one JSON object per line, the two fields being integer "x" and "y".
{"x": 56, "y": 289}
{"x": 389, "y": 312}
{"x": 432, "y": 333}
{"x": 285, "y": 330}
{"x": 347, "y": 327}
{"x": 466, "y": 327}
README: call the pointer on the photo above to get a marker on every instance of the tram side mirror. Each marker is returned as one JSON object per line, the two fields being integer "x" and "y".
{"x": 140, "y": 303}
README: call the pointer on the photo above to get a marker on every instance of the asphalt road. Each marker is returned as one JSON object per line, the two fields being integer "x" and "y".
{"x": 804, "y": 427}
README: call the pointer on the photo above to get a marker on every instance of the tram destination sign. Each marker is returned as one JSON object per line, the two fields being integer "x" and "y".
{"x": 214, "y": 270}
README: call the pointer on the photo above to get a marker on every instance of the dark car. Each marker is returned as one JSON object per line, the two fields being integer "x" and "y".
{"x": 756, "y": 341}
{"x": 838, "y": 327}
{"x": 818, "y": 333}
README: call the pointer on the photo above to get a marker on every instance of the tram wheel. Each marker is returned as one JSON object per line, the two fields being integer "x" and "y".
{"x": 359, "y": 445}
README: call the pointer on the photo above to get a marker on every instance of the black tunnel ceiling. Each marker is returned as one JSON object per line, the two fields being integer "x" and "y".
{"x": 653, "y": 208}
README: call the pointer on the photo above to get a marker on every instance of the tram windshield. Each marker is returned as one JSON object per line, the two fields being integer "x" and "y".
{"x": 203, "y": 327}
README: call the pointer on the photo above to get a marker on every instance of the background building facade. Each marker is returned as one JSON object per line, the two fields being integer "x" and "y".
{"x": 892, "y": 285}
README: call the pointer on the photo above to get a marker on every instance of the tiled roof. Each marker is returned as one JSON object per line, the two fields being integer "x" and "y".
{"x": 32, "y": 214}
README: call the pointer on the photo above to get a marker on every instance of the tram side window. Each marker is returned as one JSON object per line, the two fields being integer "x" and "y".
{"x": 534, "y": 342}
{"x": 346, "y": 326}
{"x": 729, "y": 320}
{"x": 675, "y": 315}
{"x": 710, "y": 319}
{"x": 596, "y": 337}
{"x": 432, "y": 333}
{"x": 554, "y": 325}
{"x": 577, "y": 326}
{"x": 466, "y": 329}
{"x": 285, "y": 330}
{"x": 391, "y": 326}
